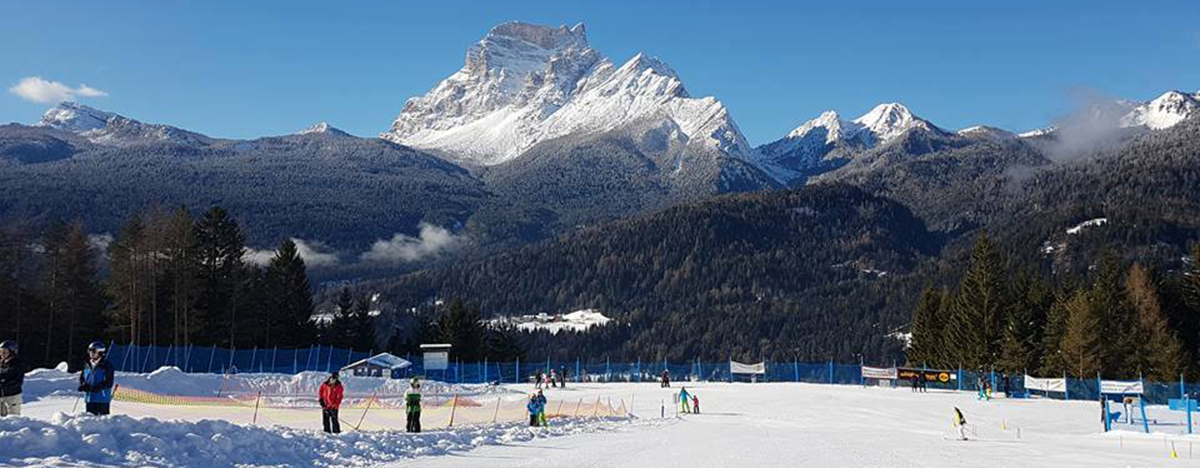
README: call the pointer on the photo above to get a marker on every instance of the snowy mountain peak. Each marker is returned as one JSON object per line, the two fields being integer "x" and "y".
{"x": 985, "y": 132}
{"x": 890, "y": 120}
{"x": 1163, "y": 112}
{"x": 523, "y": 84}
{"x": 830, "y": 121}
{"x": 109, "y": 128}
{"x": 323, "y": 128}
{"x": 75, "y": 117}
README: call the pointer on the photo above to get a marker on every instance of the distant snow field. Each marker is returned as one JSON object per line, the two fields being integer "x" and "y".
{"x": 741, "y": 424}
{"x": 580, "y": 320}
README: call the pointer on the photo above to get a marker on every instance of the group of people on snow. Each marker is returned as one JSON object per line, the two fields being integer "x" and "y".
{"x": 537, "y": 409}
{"x": 332, "y": 392}
{"x": 689, "y": 403}
{"x": 96, "y": 381}
{"x": 551, "y": 380}
{"x": 920, "y": 383}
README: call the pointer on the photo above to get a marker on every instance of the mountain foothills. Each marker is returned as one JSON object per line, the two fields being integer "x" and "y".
{"x": 544, "y": 177}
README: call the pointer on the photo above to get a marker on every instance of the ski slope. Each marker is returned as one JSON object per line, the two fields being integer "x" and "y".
{"x": 757, "y": 425}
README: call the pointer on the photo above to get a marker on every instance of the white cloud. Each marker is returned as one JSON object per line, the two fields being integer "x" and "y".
{"x": 36, "y": 89}
{"x": 309, "y": 251}
{"x": 432, "y": 240}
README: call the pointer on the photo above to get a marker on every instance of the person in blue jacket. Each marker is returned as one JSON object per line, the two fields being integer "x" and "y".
{"x": 96, "y": 380}
{"x": 535, "y": 410}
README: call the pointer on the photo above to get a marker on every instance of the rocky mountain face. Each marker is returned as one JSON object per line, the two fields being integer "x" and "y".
{"x": 526, "y": 85}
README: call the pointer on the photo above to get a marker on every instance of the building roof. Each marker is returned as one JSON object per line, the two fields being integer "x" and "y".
{"x": 384, "y": 360}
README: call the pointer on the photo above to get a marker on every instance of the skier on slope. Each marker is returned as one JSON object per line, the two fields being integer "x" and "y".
{"x": 539, "y": 380}
{"x": 541, "y": 397}
{"x": 96, "y": 380}
{"x": 12, "y": 377}
{"x": 553, "y": 378}
{"x": 695, "y": 404}
{"x": 412, "y": 405}
{"x": 960, "y": 422}
{"x": 562, "y": 377}
{"x": 684, "y": 400}
{"x": 330, "y": 394}
{"x": 666, "y": 378}
{"x": 535, "y": 410}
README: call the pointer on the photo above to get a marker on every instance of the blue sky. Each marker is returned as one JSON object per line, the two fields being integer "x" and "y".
{"x": 245, "y": 69}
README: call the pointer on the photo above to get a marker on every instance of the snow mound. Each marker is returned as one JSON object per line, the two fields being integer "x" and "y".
{"x": 1086, "y": 224}
{"x": 124, "y": 441}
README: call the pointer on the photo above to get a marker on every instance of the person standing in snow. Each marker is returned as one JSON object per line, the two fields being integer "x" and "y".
{"x": 534, "y": 407}
{"x": 331, "y": 394}
{"x": 922, "y": 381}
{"x": 562, "y": 377}
{"x": 96, "y": 380}
{"x": 12, "y": 377}
{"x": 412, "y": 405}
{"x": 695, "y": 404}
{"x": 666, "y": 379}
{"x": 537, "y": 383}
{"x": 553, "y": 378}
{"x": 685, "y": 400}
{"x": 541, "y": 397}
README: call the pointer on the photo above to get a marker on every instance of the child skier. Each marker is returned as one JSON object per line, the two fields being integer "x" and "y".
{"x": 960, "y": 421}
{"x": 412, "y": 405}
{"x": 553, "y": 378}
{"x": 541, "y": 397}
{"x": 695, "y": 404}
{"x": 96, "y": 380}
{"x": 535, "y": 410}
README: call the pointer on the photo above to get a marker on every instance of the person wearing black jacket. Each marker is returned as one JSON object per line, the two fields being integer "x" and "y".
{"x": 12, "y": 377}
{"x": 96, "y": 380}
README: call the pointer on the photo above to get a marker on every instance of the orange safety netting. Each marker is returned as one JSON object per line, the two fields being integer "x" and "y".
{"x": 370, "y": 413}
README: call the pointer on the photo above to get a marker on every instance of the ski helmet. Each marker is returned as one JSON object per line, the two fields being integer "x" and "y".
{"x": 10, "y": 345}
{"x": 97, "y": 346}
{"x": 415, "y": 382}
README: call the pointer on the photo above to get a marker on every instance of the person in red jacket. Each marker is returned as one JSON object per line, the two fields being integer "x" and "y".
{"x": 331, "y": 399}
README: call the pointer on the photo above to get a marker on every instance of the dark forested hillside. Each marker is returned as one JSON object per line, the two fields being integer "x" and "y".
{"x": 343, "y": 191}
{"x": 784, "y": 274}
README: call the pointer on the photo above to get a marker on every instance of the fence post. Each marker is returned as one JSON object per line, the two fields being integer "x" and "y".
{"x": 960, "y": 378}
{"x": 453, "y": 409}
{"x": 211, "y": 355}
{"x": 274, "y": 353}
{"x": 517, "y": 376}
{"x": 1066, "y": 387}
{"x": 1145, "y": 422}
{"x": 830, "y": 371}
{"x": 607, "y": 369}
{"x": 1182, "y": 390}
{"x": 1100, "y": 386}
{"x": 638, "y": 371}
{"x": 577, "y": 378}
{"x": 187, "y": 358}
{"x": 485, "y": 369}
{"x": 253, "y": 357}
{"x": 796, "y": 369}
{"x": 862, "y": 381}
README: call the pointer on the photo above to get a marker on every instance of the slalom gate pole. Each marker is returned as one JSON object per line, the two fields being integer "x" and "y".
{"x": 364, "y": 415}
{"x": 453, "y": 409}
{"x": 497, "y": 413}
{"x": 1145, "y": 422}
{"x": 256, "y": 400}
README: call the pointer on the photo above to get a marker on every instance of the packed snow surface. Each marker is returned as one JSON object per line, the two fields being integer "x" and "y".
{"x": 752, "y": 425}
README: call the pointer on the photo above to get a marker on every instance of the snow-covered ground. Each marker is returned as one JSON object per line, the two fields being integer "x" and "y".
{"x": 772, "y": 424}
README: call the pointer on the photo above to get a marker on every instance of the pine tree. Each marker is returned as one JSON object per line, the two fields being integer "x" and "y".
{"x": 1052, "y": 362}
{"x": 460, "y": 326}
{"x": 290, "y": 298}
{"x": 128, "y": 283}
{"x": 1021, "y": 344}
{"x": 1080, "y": 346}
{"x": 974, "y": 326}
{"x": 928, "y": 326}
{"x": 220, "y": 245}
{"x": 1157, "y": 352}
{"x": 341, "y": 330}
{"x": 1115, "y": 319}
{"x": 73, "y": 295}
{"x": 363, "y": 326}
{"x": 504, "y": 344}
{"x": 180, "y": 272}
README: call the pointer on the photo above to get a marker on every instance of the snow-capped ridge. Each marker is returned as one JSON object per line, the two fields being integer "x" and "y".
{"x": 75, "y": 117}
{"x": 1164, "y": 111}
{"x": 890, "y": 120}
{"x": 323, "y": 128}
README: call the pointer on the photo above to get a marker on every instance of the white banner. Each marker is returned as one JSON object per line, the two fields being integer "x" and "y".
{"x": 879, "y": 373}
{"x": 1045, "y": 385}
{"x": 437, "y": 360}
{"x": 739, "y": 368}
{"x": 1132, "y": 387}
